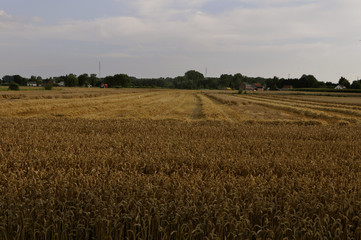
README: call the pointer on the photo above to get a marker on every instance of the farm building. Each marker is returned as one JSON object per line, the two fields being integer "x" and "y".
{"x": 340, "y": 87}
{"x": 31, "y": 84}
{"x": 258, "y": 86}
{"x": 251, "y": 87}
{"x": 287, "y": 87}
{"x": 61, "y": 84}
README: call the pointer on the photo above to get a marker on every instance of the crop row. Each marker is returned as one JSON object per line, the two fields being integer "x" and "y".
{"x": 168, "y": 179}
{"x": 332, "y": 108}
{"x": 305, "y": 109}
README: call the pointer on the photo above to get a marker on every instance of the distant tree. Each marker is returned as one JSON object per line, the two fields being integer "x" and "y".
{"x": 356, "y": 85}
{"x": 225, "y": 80}
{"x": 94, "y": 80}
{"x": 213, "y": 82}
{"x": 236, "y": 80}
{"x": 180, "y": 82}
{"x": 110, "y": 81}
{"x": 123, "y": 80}
{"x": 39, "y": 81}
{"x": 282, "y": 82}
{"x": 168, "y": 83}
{"x": 14, "y": 86}
{"x": 321, "y": 84}
{"x": 343, "y": 81}
{"x": 20, "y": 80}
{"x": 330, "y": 84}
{"x": 308, "y": 81}
{"x": 83, "y": 80}
{"x": 272, "y": 83}
{"x": 71, "y": 80}
{"x": 195, "y": 78}
{"x": 8, "y": 78}
{"x": 48, "y": 86}
{"x": 208, "y": 83}
{"x": 118, "y": 80}
{"x": 33, "y": 78}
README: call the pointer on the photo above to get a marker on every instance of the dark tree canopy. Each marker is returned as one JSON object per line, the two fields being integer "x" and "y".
{"x": 118, "y": 80}
{"x": 344, "y": 82}
{"x": 308, "y": 81}
{"x": 71, "y": 80}
{"x": 225, "y": 80}
{"x": 272, "y": 83}
{"x": 356, "y": 85}
{"x": 20, "y": 80}
{"x": 83, "y": 80}
{"x": 195, "y": 78}
{"x": 192, "y": 79}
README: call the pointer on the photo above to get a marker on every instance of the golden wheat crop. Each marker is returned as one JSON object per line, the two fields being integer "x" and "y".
{"x": 176, "y": 165}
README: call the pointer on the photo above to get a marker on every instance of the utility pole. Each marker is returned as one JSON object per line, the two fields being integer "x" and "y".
{"x": 100, "y": 67}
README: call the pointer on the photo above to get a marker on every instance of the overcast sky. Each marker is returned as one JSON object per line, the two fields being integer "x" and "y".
{"x": 166, "y": 38}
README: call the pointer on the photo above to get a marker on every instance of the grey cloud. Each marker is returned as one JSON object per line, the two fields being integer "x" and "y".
{"x": 294, "y": 36}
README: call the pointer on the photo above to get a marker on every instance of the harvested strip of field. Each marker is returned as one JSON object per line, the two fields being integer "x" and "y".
{"x": 318, "y": 103}
{"x": 73, "y": 107}
{"x": 347, "y": 99}
{"x": 178, "y": 105}
{"x": 243, "y": 109}
{"x": 66, "y": 93}
{"x": 213, "y": 111}
{"x": 309, "y": 109}
{"x": 303, "y": 110}
{"x": 120, "y": 105}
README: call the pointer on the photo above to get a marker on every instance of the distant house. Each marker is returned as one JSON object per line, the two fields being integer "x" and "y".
{"x": 61, "y": 84}
{"x": 287, "y": 87}
{"x": 258, "y": 86}
{"x": 340, "y": 87}
{"x": 250, "y": 87}
{"x": 31, "y": 84}
{"x": 48, "y": 81}
{"x": 247, "y": 87}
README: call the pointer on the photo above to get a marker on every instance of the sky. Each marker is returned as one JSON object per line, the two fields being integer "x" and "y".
{"x": 166, "y": 38}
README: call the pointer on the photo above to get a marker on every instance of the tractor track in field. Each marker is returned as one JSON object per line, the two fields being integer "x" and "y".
{"x": 197, "y": 110}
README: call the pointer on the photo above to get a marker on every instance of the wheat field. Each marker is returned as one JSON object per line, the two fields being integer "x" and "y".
{"x": 173, "y": 164}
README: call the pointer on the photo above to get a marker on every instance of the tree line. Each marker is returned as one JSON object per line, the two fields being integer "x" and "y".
{"x": 190, "y": 80}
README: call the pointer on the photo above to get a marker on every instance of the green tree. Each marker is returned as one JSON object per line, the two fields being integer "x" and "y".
{"x": 14, "y": 86}
{"x": 343, "y": 81}
{"x": 272, "y": 83}
{"x": 8, "y": 79}
{"x": 122, "y": 80}
{"x": 39, "y": 80}
{"x": 20, "y": 80}
{"x": 71, "y": 80}
{"x": 195, "y": 78}
{"x": 118, "y": 80}
{"x": 308, "y": 81}
{"x": 356, "y": 85}
{"x": 181, "y": 82}
{"x": 94, "y": 80}
{"x": 225, "y": 80}
{"x": 330, "y": 85}
{"x": 237, "y": 79}
{"x": 48, "y": 86}
{"x": 83, "y": 80}
{"x": 33, "y": 78}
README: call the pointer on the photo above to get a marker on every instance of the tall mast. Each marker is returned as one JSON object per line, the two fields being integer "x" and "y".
{"x": 100, "y": 68}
